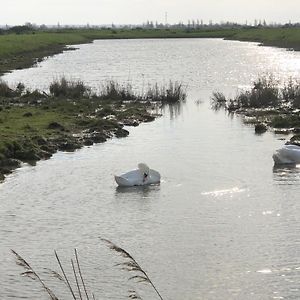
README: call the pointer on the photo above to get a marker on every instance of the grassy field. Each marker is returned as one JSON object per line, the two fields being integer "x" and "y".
{"x": 19, "y": 51}
{"x": 11, "y": 44}
{"x": 278, "y": 37}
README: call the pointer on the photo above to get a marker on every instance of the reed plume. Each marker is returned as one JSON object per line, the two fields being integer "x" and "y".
{"x": 31, "y": 273}
{"x": 132, "y": 265}
{"x": 78, "y": 293}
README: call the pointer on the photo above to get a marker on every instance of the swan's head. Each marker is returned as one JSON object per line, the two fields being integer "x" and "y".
{"x": 144, "y": 169}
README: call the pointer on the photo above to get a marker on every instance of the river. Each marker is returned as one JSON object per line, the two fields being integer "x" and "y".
{"x": 223, "y": 223}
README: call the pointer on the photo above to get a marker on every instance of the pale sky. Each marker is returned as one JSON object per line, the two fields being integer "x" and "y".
{"x": 97, "y": 12}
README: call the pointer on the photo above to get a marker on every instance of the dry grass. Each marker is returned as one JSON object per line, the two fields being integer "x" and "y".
{"x": 75, "y": 283}
{"x": 131, "y": 265}
{"x": 80, "y": 291}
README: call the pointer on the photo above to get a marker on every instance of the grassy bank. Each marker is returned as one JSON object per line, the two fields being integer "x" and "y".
{"x": 34, "y": 125}
{"x": 19, "y": 51}
{"x": 277, "y": 37}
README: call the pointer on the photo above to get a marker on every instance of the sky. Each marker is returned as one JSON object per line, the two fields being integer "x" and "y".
{"x": 96, "y": 12}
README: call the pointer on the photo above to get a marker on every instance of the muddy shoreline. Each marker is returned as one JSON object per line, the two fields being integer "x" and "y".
{"x": 34, "y": 129}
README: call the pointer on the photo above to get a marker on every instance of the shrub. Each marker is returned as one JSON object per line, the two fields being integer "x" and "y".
{"x": 5, "y": 90}
{"x": 172, "y": 93}
{"x": 114, "y": 91}
{"x": 291, "y": 92}
{"x": 218, "y": 100}
{"x": 64, "y": 88}
{"x": 286, "y": 121}
{"x": 265, "y": 92}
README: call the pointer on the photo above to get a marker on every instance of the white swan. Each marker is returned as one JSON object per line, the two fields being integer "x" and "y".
{"x": 288, "y": 154}
{"x": 141, "y": 176}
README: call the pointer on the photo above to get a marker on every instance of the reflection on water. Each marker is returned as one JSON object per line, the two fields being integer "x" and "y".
{"x": 174, "y": 109}
{"x": 287, "y": 174}
{"x": 193, "y": 245}
{"x": 221, "y": 193}
{"x": 143, "y": 191}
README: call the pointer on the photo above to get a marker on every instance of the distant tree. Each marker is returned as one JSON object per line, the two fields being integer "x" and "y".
{"x": 43, "y": 27}
{"x": 20, "y": 29}
{"x": 29, "y": 25}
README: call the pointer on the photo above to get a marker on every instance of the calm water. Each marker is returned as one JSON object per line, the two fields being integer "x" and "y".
{"x": 223, "y": 224}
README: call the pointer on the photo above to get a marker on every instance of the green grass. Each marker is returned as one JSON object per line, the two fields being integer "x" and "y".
{"x": 33, "y": 126}
{"x": 264, "y": 93}
{"x": 19, "y": 51}
{"x": 279, "y": 37}
{"x": 14, "y": 126}
{"x": 12, "y": 44}
{"x": 23, "y": 50}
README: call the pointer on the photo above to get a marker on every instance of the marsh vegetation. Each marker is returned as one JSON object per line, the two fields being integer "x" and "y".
{"x": 35, "y": 124}
{"x": 75, "y": 283}
{"x": 267, "y": 102}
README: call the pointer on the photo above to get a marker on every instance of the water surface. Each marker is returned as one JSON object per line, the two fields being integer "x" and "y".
{"x": 223, "y": 223}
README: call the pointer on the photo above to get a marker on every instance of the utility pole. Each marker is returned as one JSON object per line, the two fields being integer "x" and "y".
{"x": 166, "y": 18}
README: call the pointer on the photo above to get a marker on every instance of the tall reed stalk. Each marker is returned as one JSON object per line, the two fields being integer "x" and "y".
{"x": 80, "y": 291}
{"x": 132, "y": 265}
{"x": 75, "y": 283}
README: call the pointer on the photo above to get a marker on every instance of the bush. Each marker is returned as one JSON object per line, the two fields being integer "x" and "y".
{"x": 219, "y": 100}
{"x": 5, "y": 90}
{"x": 114, "y": 91}
{"x": 286, "y": 121}
{"x": 172, "y": 93}
{"x": 291, "y": 92}
{"x": 264, "y": 93}
{"x": 64, "y": 88}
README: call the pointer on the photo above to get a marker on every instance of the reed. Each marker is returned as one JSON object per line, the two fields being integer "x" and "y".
{"x": 76, "y": 284}
{"x": 70, "y": 89}
{"x": 32, "y": 274}
{"x": 80, "y": 292}
{"x": 112, "y": 90}
{"x": 218, "y": 100}
{"x": 8, "y": 92}
{"x": 171, "y": 93}
{"x": 131, "y": 265}
{"x": 63, "y": 88}
{"x": 291, "y": 92}
{"x": 265, "y": 92}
